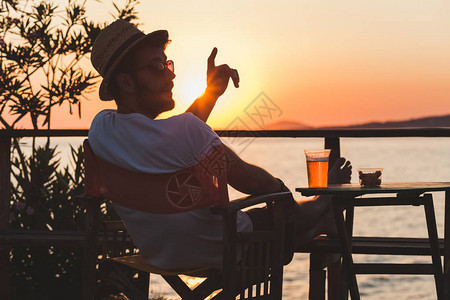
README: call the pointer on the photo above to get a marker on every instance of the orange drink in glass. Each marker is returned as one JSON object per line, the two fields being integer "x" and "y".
{"x": 317, "y": 167}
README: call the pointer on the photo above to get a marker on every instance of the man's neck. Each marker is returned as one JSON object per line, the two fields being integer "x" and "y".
{"x": 129, "y": 110}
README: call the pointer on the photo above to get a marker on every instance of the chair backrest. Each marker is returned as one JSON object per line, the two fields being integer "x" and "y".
{"x": 260, "y": 270}
{"x": 202, "y": 185}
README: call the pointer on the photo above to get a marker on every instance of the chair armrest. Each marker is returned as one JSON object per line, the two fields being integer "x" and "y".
{"x": 245, "y": 202}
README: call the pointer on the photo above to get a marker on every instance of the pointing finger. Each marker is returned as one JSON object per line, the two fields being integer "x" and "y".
{"x": 235, "y": 77}
{"x": 211, "y": 58}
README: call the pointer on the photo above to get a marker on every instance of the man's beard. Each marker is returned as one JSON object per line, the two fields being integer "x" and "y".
{"x": 155, "y": 102}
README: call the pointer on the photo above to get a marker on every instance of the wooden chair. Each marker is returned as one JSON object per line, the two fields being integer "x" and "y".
{"x": 259, "y": 273}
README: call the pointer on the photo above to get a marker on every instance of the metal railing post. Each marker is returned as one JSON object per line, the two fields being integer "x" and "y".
{"x": 333, "y": 143}
{"x": 5, "y": 197}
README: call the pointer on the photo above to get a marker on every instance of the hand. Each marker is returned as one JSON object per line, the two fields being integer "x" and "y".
{"x": 217, "y": 77}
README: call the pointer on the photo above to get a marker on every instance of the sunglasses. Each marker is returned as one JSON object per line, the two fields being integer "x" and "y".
{"x": 157, "y": 67}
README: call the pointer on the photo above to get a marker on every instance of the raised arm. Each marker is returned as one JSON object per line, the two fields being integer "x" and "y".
{"x": 217, "y": 78}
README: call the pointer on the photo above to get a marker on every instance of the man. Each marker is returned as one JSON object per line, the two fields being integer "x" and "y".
{"x": 137, "y": 75}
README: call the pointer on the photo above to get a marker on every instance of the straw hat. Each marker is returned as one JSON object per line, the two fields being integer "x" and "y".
{"x": 111, "y": 45}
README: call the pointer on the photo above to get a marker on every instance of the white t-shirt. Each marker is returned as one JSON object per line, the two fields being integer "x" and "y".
{"x": 169, "y": 241}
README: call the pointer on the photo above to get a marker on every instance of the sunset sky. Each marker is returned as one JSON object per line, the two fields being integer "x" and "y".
{"x": 322, "y": 62}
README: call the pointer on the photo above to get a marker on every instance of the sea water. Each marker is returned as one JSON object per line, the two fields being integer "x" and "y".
{"x": 403, "y": 159}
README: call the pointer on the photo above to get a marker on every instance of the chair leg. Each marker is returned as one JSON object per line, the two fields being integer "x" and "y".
{"x": 178, "y": 285}
{"x": 209, "y": 285}
{"x": 144, "y": 282}
{"x": 434, "y": 245}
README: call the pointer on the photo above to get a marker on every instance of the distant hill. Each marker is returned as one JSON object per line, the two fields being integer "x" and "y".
{"x": 437, "y": 121}
{"x": 440, "y": 121}
{"x": 287, "y": 125}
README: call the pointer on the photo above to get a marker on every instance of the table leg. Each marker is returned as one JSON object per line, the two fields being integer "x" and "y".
{"x": 334, "y": 279}
{"x": 349, "y": 218}
{"x": 447, "y": 245}
{"x": 346, "y": 252}
{"x": 434, "y": 244}
{"x": 317, "y": 277}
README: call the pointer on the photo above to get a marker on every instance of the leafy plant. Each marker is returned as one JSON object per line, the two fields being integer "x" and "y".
{"x": 42, "y": 50}
{"x": 45, "y": 201}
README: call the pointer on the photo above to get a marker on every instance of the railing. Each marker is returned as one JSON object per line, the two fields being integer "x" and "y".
{"x": 331, "y": 141}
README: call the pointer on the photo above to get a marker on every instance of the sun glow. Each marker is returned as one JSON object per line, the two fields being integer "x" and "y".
{"x": 186, "y": 90}
{"x": 190, "y": 89}
{"x": 324, "y": 63}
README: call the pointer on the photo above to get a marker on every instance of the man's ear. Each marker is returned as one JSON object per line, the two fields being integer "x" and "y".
{"x": 126, "y": 82}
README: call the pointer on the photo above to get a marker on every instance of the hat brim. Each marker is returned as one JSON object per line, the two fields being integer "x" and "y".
{"x": 103, "y": 92}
